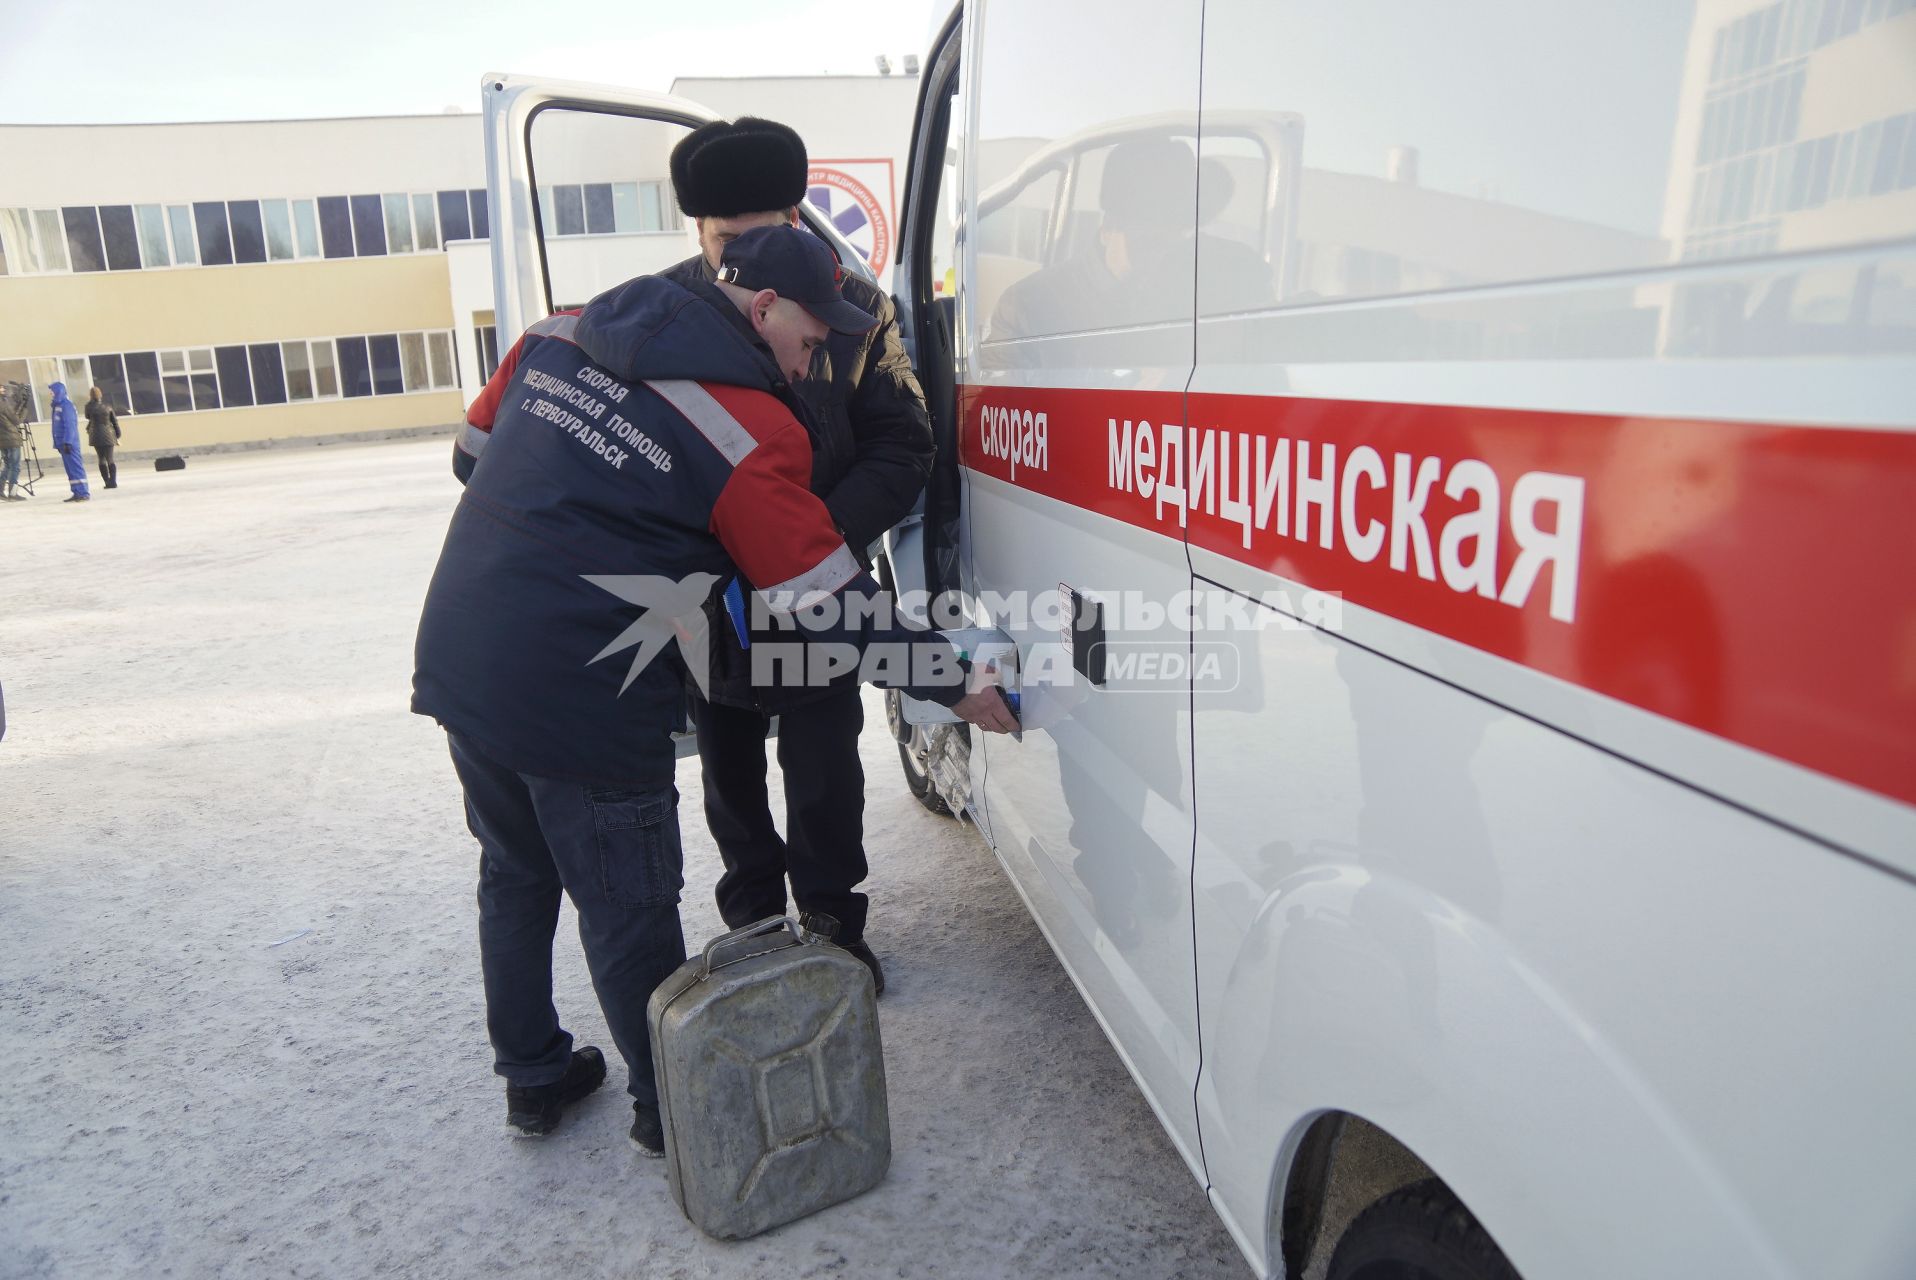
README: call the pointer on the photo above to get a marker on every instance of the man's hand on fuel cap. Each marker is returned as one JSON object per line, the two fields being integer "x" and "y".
{"x": 986, "y": 707}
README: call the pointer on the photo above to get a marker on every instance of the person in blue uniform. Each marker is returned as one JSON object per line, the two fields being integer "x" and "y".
{"x": 66, "y": 439}
{"x": 623, "y": 464}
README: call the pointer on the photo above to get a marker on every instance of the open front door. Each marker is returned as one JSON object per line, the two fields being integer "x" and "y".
{"x": 581, "y": 193}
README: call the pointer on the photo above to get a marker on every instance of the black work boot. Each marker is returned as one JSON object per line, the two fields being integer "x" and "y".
{"x": 647, "y": 1134}
{"x": 534, "y": 1112}
{"x": 863, "y": 954}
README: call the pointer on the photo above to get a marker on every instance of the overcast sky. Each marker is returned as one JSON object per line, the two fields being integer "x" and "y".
{"x": 133, "y": 60}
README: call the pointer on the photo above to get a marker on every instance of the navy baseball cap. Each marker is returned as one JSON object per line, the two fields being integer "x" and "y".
{"x": 793, "y": 264}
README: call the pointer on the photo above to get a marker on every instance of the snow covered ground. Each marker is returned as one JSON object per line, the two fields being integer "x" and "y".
{"x": 240, "y": 1017}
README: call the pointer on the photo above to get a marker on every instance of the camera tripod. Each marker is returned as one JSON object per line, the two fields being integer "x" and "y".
{"x": 31, "y": 472}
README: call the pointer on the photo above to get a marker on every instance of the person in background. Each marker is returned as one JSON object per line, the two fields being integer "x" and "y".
{"x": 871, "y": 451}
{"x": 13, "y": 437}
{"x": 103, "y": 433}
{"x": 66, "y": 438}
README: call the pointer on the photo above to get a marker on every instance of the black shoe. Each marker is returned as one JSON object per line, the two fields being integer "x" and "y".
{"x": 863, "y": 954}
{"x": 647, "y": 1133}
{"x": 534, "y": 1112}
{"x": 78, "y": 497}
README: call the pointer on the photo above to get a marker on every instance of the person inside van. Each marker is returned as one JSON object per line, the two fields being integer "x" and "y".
{"x": 1136, "y": 267}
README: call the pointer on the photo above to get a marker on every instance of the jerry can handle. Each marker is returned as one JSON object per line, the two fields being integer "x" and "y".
{"x": 739, "y": 938}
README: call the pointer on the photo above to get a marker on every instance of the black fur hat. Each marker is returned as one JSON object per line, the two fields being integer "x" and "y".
{"x": 721, "y": 170}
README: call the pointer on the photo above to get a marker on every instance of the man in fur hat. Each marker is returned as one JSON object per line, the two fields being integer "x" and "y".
{"x": 871, "y": 452}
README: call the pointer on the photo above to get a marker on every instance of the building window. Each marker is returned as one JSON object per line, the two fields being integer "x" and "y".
{"x": 454, "y": 221}
{"x": 476, "y": 198}
{"x": 143, "y": 382}
{"x": 279, "y": 229}
{"x": 599, "y": 217}
{"x": 173, "y": 382}
{"x": 121, "y": 236}
{"x": 325, "y": 369}
{"x": 152, "y": 221}
{"x": 108, "y": 373}
{"x": 83, "y": 238}
{"x": 412, "y": 362}
{"x": 369, "y": 226}
{"x": 269, "y": 380}
{"x": 16, "y": 241}
{"x": 625, "y": 206}
{"x": 486, "y": 343}
{"x": 305, "y": 229}
{"x": 236, "y": 384}
{"x": 569, "y": 208}
{"x": 336, "y": 226}
{"x": 249, "y": 234}
{"x": 387, "y": 380}
{"x": 299, "y": 372}
{"x": 50, "y": 235}
{"x": 355, "y": 371}
{"x": 206, "y": 386}
{"x": 425, "y": 221}
{"x": 444, "y": 370}
{"x": 216, "y": 244}
{"x": 186, "y": 245}
{"x": 398, "y": 223}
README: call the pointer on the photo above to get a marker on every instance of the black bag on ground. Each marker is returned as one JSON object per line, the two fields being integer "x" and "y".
{"x": 172, "y": 462}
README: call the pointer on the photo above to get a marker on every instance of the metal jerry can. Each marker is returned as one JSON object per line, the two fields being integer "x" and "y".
{"x": 771, "y": 1079}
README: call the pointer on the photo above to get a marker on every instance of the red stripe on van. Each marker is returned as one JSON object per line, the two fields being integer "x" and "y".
{"x": 1755, "y": 581}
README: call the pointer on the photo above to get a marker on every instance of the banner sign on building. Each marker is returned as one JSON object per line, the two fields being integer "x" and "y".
{"x": 858, "y": 196}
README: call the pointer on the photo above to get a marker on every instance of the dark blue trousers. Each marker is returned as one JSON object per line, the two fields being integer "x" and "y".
{"x": 616, "y": 853}
{"x": 76, "y": 470}
{"x": 823, "y": 850}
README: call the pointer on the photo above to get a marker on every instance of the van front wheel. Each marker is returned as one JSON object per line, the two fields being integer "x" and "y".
{"x": 1418, "y": 1232}
{"x": 914, "y": 749}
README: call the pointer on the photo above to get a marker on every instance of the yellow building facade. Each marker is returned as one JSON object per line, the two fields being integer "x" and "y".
{"x": 241, "y": 282}
{"x": 235, "y": 283}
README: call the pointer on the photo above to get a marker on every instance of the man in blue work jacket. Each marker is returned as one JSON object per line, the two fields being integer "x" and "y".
{"x": 66, "y": 439}
{"x": 638, "y": 453}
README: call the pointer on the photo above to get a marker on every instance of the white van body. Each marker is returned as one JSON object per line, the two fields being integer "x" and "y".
{"x": 1522, "y": 401}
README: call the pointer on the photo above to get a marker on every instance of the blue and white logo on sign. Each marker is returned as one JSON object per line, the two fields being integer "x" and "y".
{"x": 854, "y": 211}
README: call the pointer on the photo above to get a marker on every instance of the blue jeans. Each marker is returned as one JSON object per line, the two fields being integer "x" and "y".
{"x": 9, "y": 467}
{"x": 616, "y": 853}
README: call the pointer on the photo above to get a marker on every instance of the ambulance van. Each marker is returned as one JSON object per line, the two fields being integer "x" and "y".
{"x": 1449, "y": 474}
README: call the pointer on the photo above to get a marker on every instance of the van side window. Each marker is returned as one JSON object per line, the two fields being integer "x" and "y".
{"x": 1085, "y": 181}
{"x": 1014, "y": 236}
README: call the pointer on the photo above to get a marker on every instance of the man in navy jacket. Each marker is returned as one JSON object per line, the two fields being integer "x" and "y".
{"x": 623, "y": 463}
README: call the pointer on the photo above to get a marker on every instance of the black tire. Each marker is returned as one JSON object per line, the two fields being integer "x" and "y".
{"x": 910, "y": 744}
{"x": 1418, "y": 1232}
